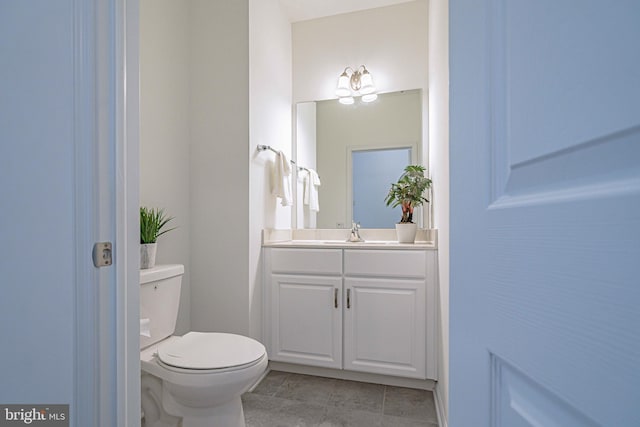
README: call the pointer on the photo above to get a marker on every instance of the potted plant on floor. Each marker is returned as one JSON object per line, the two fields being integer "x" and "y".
{"x": 408, "y": 193}
{"x": 152, "y": 222}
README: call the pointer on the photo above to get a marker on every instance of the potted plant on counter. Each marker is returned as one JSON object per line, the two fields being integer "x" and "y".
{"x": 408, "y": 193}
{"x": 152, "y": 222}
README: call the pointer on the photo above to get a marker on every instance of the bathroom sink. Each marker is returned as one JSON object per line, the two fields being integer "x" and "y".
{"x": 377, "y": 242}
{"x": 366, "y": 242}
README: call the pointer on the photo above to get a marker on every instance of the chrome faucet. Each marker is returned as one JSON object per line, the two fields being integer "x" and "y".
{"x": 355, "y": 233}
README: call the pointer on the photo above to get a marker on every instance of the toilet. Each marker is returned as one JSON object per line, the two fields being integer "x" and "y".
{"x": 194, "y": 380}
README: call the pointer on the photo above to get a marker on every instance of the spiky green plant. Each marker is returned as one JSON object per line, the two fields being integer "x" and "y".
{"x": 152, "y": 221}
{"x": 408, "y": 191}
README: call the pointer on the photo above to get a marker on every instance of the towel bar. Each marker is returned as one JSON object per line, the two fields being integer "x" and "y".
{"x": 268, "y": 147}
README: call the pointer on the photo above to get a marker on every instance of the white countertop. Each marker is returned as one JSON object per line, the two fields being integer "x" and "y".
{"x": 337, "y": 238}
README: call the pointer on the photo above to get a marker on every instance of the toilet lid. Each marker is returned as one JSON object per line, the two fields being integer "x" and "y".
{"x": 210, "y": 350}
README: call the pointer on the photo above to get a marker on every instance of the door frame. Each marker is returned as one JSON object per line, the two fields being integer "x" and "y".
{"x": 106, "y": 208}
{"x": 127, "y": 25}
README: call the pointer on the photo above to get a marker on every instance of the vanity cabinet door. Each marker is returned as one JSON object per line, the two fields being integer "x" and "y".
{"x": 384, "y": 326}
{"x": 306, "y": 320}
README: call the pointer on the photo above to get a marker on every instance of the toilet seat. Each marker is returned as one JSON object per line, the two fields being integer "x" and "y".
{"x": 207, "y": 351}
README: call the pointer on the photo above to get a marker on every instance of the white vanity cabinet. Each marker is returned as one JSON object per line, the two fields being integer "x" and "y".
{"x": 385, "y": 312}
{"x": 304, "y": 308}
{"x": 366, "y": 310}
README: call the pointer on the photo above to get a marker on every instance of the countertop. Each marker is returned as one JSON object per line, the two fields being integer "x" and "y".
{"x": 336, "y": 239}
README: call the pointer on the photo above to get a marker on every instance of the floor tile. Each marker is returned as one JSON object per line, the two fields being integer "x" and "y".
{"x": 271, "y": 383}
{"x": 357, "y": 395}
{"x": 294, "y": 400}
{"x": 344, "y": 417}
{"x": 302, "y": 413}
{"x": 269, "y": 411}
{"x": 253, "y": 402}
{"x": 390, "y": 421}
{"x": 409, "y": 403}
{"x": 306, "y": 388}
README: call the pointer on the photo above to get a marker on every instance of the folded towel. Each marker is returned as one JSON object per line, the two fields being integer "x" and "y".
{"x": 281, "y": 179}
{"x": 311, "y": 184}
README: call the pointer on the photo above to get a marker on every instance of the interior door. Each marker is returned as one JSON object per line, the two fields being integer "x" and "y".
{"x": 69, "y": 330}
{"x": 545, "y": 213}
{"x": 37, "y": 193}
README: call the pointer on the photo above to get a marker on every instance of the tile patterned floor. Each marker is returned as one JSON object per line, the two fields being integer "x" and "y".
{"x": 294, "y": 400}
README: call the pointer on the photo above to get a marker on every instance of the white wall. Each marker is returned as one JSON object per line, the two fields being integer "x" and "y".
{"x": 439, "y": 166}
{"x": 390, "y": 41}
{"x": 216, "y": 82}
{"x": 219, "y": 178}
{"x": 270, "y": 124}
{"x": 164, "y": 130}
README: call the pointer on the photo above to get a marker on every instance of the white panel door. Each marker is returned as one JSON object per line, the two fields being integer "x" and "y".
{"x": 545, "y": 213}
{"x": 384, "y": 326}
{"x": 68, "y": 178}
{"x": 37, "y": 196}
{"x": 306, "y": 320}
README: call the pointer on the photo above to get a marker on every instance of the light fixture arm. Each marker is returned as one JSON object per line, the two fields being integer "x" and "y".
{"x": 354, "y": 76}
{"x": 355, "y": 82}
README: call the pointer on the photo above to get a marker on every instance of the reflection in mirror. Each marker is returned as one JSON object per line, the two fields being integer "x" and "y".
{"x": 371, "y": 172}
{"x": 330, "y": 136}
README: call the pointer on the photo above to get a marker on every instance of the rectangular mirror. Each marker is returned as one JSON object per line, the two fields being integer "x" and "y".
{"x": 357, "y": 150}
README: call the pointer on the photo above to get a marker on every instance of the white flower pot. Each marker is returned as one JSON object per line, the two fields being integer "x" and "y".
{"x": 148, "y": 255}
{"x": 406, "y": 232}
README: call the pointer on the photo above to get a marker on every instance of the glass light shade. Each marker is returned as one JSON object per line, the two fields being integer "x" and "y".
{"x": 366, "y": 83}
{"x": 346, "y": 100}
{"x": 369, "y": 97}
{"x": 343, "y": 85}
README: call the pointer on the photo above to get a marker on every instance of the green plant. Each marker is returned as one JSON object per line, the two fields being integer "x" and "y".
{"x": 152, "y": 221}
{"x": 408, "y": 191}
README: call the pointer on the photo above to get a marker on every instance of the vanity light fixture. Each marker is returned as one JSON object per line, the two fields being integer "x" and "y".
{"x": 355, "y": 83}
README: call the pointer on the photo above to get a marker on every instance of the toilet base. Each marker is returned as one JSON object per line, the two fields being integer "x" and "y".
{"x": 229, "y": 414}
{"x": 151, "y": 400}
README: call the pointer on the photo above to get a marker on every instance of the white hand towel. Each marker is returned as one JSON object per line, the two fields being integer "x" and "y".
{"x": 311, "y": 184}
{"x": 306, "y": 180}
{"x": 145, "y": 327}
{"x": 281, "y": 179}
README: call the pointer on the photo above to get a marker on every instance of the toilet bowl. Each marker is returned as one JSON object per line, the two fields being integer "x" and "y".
{"x": 195, "y": 379}
{"x": 203, "y": 376}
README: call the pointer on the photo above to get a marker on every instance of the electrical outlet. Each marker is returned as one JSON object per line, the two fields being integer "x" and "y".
{"x": 339, "y": 224}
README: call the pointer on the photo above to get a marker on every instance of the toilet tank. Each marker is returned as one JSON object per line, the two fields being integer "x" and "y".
{"x": 159, "y": 300}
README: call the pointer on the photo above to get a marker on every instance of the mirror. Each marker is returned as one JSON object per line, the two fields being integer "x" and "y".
{"x": 357, "y": 150}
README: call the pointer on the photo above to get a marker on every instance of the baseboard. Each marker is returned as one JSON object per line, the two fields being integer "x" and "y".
{"x": 352, "y": 375}
{"x": 440, "y": 410}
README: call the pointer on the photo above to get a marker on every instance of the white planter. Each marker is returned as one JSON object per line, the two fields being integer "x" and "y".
{"x": 406, "y": 232}
{"x": 148, "y": 255}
